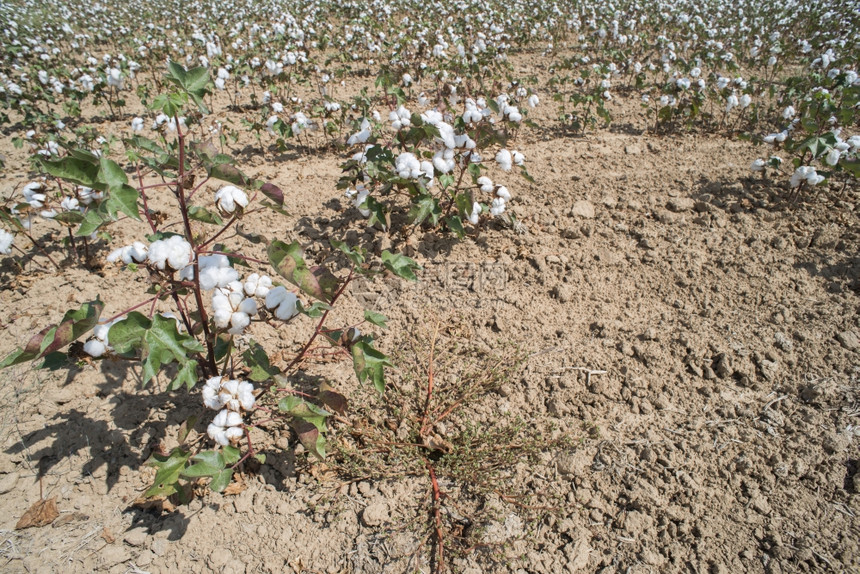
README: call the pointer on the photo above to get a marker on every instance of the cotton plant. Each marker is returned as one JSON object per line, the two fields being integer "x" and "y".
{"x": 198, "y": 312}
{"x": 437, "y": 157}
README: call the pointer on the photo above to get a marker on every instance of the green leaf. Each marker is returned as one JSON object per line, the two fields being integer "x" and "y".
{"x": 161, "y": 343}
{"x": 123, "y": 198}
{"x": 208, "y": 463}
{"x": 423, "y": 207}
{"x": 308, "y": 422}
{"x": 257, "y": 360}
{"x": 74, "y": 325}
{"x": 455, "y": 224}
{"x": 169, "y": 470}
{"x": 74, "y": 170}
{"x": 111, "y": 173}
{"x": 231, "y": 454}
{"x": 375, "y": 318}
{"x": 204, "y": 215}
{"x": 196, "y": 79}
{"x": 400, "y": 265}
{"x": 221, "y": 480}
{"x": 314, "y": 311}
{"x": 230, "y": 174}
{"x": 126, "y": 336}
{"x": 69, "y": 217}
{"x": 186, "y": 374}
{"x": 287, "y": 260}
{"x": 369, "y": 363}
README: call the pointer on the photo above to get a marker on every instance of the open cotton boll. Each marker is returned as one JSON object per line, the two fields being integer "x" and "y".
{"x": 257, "y": 285}
{"x": 173, "y": 252}
{"x": 475, "y": 214}
{"x": 94, "y": 348}
{"x": 225, "y": 428}
{"x": 134, "y": 253}
{"x": 137, "y": 124}
{"x": 498, "y": 207}
{"x": 212, "y": 393}
{"x": 533, "y": 100}
{"x": 486, "y": 184}
{"x": 443, "y": 161}
{"x": 361, "y": 136}
{"x": 229, "y": 197}
{"x": 6, "y": 240}
{"x": 757, "y": 165}
{"x": 503, "y": 193}
{"x": 446, "y": 135}
{"x": 504, "y": 159}
{"x": 33, "y": 195}
{"x": 519, "y": 159}
{"x": 282, "y": 303}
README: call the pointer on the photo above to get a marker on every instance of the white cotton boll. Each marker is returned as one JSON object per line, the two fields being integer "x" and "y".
{"x": 282, "y": 303}
{"x": 463, "y": 141}
{"x": 248, "y": 306}
{"x": 229, "y": 197}
{"x": 218, "y": 434}
{"x": 6, "y": 240}
{"x": 234, "y": 419}
{"x": 211, "y": 393}
{"x": 33, "y": 195}
{"x": 486, "y": 184}
{"x": 361, "y": 194}
{"x": 69, "y": 204}
{"x": 446, "y": 135}
{"x": 222, "y": 310}
{"x": 745, "y": 101}
{"x": 533, "y": 100}
{"x": 833, "y": 157}
{"x": 213, "y": 277}
{"x": 519, "y": 159}
{"x": 48, "y": 213}
{"x": 234, "y": 434}
{"x": 94, "y": 348}
{"x": 504, "y": 159}
{"x": 173, "y": 252}
{"x": 427, "y": 170}
{"x": 731, "y": 103}
{"x": 503, "y": 193}
{"x": 137, "y": 124}
{"x": 246, "y": 397}
{"x": 443, "y": 161}
{"x": 432, "y": 117}
{"x": 788, "y": 113}
{"x": 257, "y": 285}
{"x": 238, "y": 322}
{"x": 498, "y": 207}
{"x": 757, "y": 166}
{"x": 475, "y": 214}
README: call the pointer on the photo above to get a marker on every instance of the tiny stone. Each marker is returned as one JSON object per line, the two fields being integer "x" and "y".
{"x": 583, "y": 208}
{"x": 375, "y": 514}
{"x": 136, "y": 537}
{"x": 783, "y": 342}
{"x": 849, "y": 340}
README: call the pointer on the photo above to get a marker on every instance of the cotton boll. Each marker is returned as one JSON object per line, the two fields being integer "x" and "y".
{"x": 6, "y": 240}
{"x": 137, "y": 124}
{"x": 486, "y": 184}
{"x": 33, "y": 195}
{"x": 503, "y": 193}
{"x": 173, "y": 252}
{"x": 498, "y": 207}
{"x": 504, "y": 159}
{"x": 533, "y": 100}
{"x": 757, "y": 166}
{"x": 238, "y": 322}
{"x": 519, "y": 159}
{"x": 94, "y": 348}
{"x": 282, "y": 303}
{"x": 475, "y": 214}
{"x": 257, "y": 285}
{"x": 229, "y": 197}
{"x": 212, "y": 393}
{"x": 832, "y": 157}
